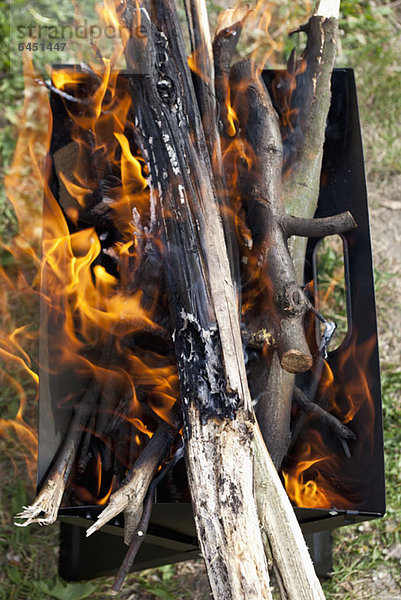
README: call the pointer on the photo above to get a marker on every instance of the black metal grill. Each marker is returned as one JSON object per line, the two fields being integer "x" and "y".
{"x": 171, "y": 536}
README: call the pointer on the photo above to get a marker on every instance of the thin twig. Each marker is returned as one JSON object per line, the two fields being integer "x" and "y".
{"x": 53, "y": 88}
{"x": 142, "y": 528}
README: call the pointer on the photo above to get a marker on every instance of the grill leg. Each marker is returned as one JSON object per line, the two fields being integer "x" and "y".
{"x": 320, "y": 548}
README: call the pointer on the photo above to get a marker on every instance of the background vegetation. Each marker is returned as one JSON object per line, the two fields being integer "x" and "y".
{"x": 367, "y": 557}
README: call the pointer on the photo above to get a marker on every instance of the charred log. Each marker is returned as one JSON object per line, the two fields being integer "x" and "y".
{"x": 214, "y": 396}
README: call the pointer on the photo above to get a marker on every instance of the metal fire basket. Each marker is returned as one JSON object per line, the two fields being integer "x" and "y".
{"x": 171, "y": 535}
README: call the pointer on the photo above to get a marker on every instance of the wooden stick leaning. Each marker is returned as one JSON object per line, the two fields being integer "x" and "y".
{"x": 301, "y": 186}
{"x": 50, "y": 496}
{"x": 206, "y": 73}
{"x": 284, "y": 541}
{"x": 44, "y": 509}
{"x": 142, "y": 527}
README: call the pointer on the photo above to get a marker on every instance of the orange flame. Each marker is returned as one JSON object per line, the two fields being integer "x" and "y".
{"x": 18, "y": 281}
{"x": 85, "y": 304}
{"x": 318, "y": 477}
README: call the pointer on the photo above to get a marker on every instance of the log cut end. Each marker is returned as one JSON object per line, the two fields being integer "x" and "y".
{"x": 295, "y": 361}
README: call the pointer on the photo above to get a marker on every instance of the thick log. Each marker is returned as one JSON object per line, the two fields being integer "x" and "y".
{"x": 214, "y": 394}
{"x": 282, "y": 314}
{"x": 259, "y": 184}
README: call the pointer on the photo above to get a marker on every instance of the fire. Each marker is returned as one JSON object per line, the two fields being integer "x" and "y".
{"x": 97, "y": 495}
{"x": 318, "y": 474}
{"x": 232, "y": 119}
{"x": 90, "y": 265}
{"x": 87, "y": 277}
{"x": 18, "y": 280}
{"x": 310, "y": 493}
{"x": 90, "y": 290}
{"x": 266, "y": 25}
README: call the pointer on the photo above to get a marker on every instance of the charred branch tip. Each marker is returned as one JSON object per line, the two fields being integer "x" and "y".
{"x": 317, "y": 412}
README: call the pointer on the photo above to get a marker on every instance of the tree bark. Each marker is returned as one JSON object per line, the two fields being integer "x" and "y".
{"x": 214, "y": 393}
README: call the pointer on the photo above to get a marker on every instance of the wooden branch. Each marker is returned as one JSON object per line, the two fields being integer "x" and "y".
{"x": 272, "y": 396}
{"x": 259, "y": 184}
{"x": 203, "y": 75}
{"x": 310, "y": 102}
{"x": 135, "y": 544}
{"x": 319, "y": 227}
{"x": 142, "y": 527}
{"x": 202, "y": 67}
{"x": 130, "y": 495}
{"x": 292, "y": 565}
{"x": 222, "y": 494}
{"x": 312, "y": 409}
{"x": 51, "y": 494}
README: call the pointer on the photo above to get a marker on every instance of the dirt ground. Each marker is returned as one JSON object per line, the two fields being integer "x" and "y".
{"x": 385, "y": 224}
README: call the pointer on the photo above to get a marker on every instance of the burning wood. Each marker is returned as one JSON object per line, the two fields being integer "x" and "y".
{"x": 162, "y": 189}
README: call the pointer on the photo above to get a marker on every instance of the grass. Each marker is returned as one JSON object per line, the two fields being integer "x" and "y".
{"x": 366, "y": 556}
